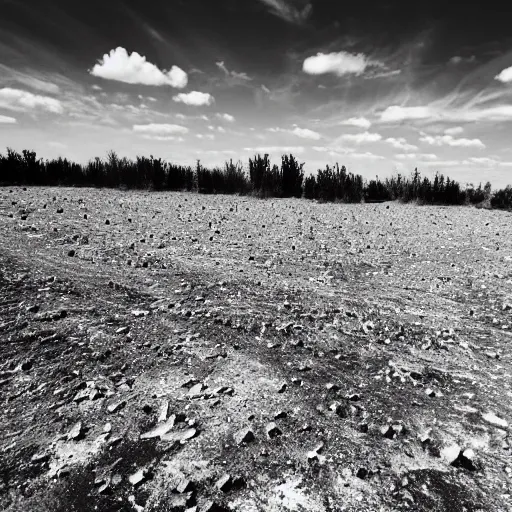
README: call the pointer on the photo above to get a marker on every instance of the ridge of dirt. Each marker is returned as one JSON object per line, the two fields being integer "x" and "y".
{"x": 366, "y": 348}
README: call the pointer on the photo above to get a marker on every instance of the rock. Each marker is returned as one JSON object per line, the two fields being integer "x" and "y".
{"x": 280, "y": 415}
{"x": 184, "y": 485}
{"x": 224, "y": 483}
{"x": 339, "y": 409}
{"x": 507, "y": 307}
{"x": 430, "y": 392}
{"x": 71, "y": 253}
{"x": 112, "y": 408}
{"x": 123, "y": 330}
{"x": 38, "y": 458}
{"x": 76, "y": 432}
{"x": 354, "y": 397}
{"x": 164, "y": 411}
{"x": 243, "y": 436}
{"x": 82, "y": 395}
{"x": 107, "y": 428}
{"x": 139, "y": 477}
{"x": 196, "y": 390}
{"x": 213, "y": 506}
{"x": 140, "y": 312}
{"x": 456, "y": 457}
{"x": 160, "y": 430}
{"x": 282, "y": 388}
{"x": 490, "y": 417}
{"x": 332, "y": 387}
{"x": 181, "y": 436}
{"x": 387, "y": 431}
{"x": 273, "y": 430}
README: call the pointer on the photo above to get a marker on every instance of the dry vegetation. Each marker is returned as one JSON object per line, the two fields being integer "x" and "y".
{"x": 164, "y": 351}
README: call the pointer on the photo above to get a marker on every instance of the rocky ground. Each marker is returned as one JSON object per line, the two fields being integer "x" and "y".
{"x": 172, "y": 352}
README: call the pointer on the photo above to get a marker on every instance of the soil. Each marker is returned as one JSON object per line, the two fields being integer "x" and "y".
{"x": 375, "y": 338}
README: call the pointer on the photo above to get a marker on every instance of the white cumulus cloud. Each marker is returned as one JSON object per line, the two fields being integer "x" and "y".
{"x": 276, "y": 149}
{"x": 449, "y": 140}
{"x": 456, "y": 130}
{"x": 16, "y": 99}
{"x": 340, "y": 63}
{"x": 401, "y": 143}
{"x": 160, "y": 129}
{"x": 360, "y": 138}
{"x": 505, "y": 76}
{"x": 305, "y": 133}
{"x": 7, "y": 120}
{"x": 194, "y": 98}
{"x": 135, "y": 69}
{"x": 414, "y": 156}
{"x": 360, "y": 122}
{"x": 226, "y": 117}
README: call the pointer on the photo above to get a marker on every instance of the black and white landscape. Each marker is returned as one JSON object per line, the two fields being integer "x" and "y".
{"x": 255, "y": 255}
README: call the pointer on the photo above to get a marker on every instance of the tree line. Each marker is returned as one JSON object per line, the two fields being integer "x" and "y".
{"x": 261, "y": 178}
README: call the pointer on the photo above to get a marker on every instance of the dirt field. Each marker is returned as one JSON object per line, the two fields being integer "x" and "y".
{"x": 165, "y": 351}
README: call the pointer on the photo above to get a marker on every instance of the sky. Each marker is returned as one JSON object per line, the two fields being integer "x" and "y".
{"x": 378, "y": 86}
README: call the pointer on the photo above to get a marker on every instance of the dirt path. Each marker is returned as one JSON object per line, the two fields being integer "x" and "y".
{"x": 291, "y": 356}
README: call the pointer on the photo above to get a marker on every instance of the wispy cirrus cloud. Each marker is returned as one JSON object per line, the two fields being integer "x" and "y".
{"x": 232, "y": 74}
{"x": 276, "y": 149}
{"x": 292, "y": 11}
{"x": 23, "y": 101}
{"x": 135, "y": 69}
{"x": 396, "y": 113}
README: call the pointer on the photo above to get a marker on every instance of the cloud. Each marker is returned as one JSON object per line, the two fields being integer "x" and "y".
{"x": 305, "y": 133}
{"x": 458, "y": 60}
{"x": 160, "y": 129}
{"x": 96, "y": 87}
{"x": 284, "y": 10}
{"x": 265, "y": 89}
{"x": 395, "y": 113}
{"x": 16, "y": 99}
{"x": 226, "y": 117}
{"x": 7, "y": 120}
{"x": 208, "y": 136}
{"x": 366, "y": 156}
{"x": 448, "y": 140}
{"x": 360, "y": 138}
{"x": 341, "y": 63}
{"x": 276, "y": 149}
{"x": 414, "y": 156}
{"x": 505, "y": 76}
{"x": 360, "y": 122}
{"x": 9, "y": 75}
{"x": 163, "y": 138}
{"x": 456, "y": 130}
{"x": 194, "y": 98}
{"x": 232, "y": 74}
{"x": 135, "y": 69}
{"x": 401, "y": 143}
